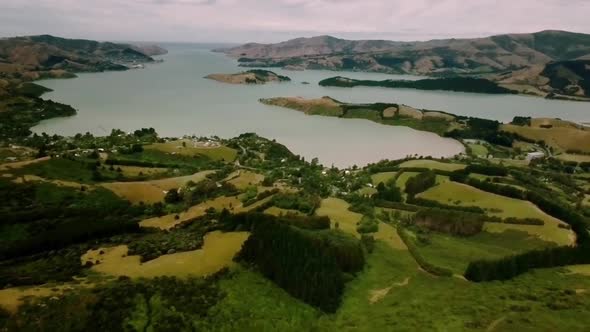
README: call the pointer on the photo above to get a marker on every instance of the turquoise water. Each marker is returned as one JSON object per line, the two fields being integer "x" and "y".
{"x": 174, "y": 98}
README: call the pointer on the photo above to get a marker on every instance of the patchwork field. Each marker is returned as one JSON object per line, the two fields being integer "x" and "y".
{"x": 478, "y": 150}
{"x": 151, "y": 191}
{"x": 580, "y": 158}
{"x": 403, "y": 178}
{"x": 12, "y": 298}
{"x": 560, "y": 137}
{"x": 456, "y": 253}
{"x": 217, "y": 252}
{"x": 34, "y": 178}
{"x": 244, "y": 179}
{"x": 432, "y": 164}
{"x": 276, "y": 211}
{"x": 171, "y": 220}
{"x": 382, "y": 177}
{"x": 138, "y": 171}
{"x": 191, "y": 148}
{"x": 20, "y": 164}
{"x": 337, "y": 210}
{"x": 496, "y": 205}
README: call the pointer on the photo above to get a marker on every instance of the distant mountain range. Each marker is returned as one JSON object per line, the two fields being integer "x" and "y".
{"x": 521, "y": 60}
{"x": 34, "y": 56}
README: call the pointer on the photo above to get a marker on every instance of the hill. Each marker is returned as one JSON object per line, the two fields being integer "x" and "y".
{"x": 255, "y": 76}
{"x": 35, "y": 57}
{"x": 559, "y": 80}
{"x": 448, "y": 56}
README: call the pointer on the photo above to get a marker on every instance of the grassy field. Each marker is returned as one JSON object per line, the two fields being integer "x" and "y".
{"x": 478, "y": 150}
{"x": 580, "y": 269}
{"x": 56, "y": 169}
{"x": 432, "y": 164}
{"x": 580, "y": 158}
{"x": 138, "y": 171}
{"x": 244, "y": 179}
{"x": 151, "y": 191}
{"x": 217, "y": 252}
{"x": 382, "y": 177}
{"x": 403, "y": 178}
{"x": 195, "y": 149}
{"x": 456, "y": 253}
{"x": 171, "y": 220}
{"x": 559, "y": 137}
{"x": 12, "y": 298}
{"x": 231, "y": 203}
{"x": 496, "y": 205}
{"x": 275, "y": 211}
{"x": 337, "y": 210}
{"x": 367, "y": 191}
{"x": 410, "y": 300}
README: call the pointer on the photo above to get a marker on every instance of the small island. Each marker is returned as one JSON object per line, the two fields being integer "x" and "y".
{"x": 255, "y": 76}
{"x": 458, "y": 84}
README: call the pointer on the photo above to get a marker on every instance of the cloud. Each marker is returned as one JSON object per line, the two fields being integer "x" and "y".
{"x": 273, "y": 20}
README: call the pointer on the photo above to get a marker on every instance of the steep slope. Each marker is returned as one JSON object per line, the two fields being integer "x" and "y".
{"x": 35, "y": 56}
{"x": 554, "y": 80}
{"x": 448, "y": 56}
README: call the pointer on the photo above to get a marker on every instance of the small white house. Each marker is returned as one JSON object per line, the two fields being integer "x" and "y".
{"x": 534, "y": 155}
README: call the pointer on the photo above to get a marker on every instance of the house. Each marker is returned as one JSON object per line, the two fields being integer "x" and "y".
{"x": 535, "y": 155}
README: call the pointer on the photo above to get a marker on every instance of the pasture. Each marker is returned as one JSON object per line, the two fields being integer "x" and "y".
{"x": 462, "y": 195}
{"x": 171, "y": 220}
{"x": 559, "y": 137}
{"x": 382, "y": 177}
{"x": 456, "y": 253}
{"x": 151, "y": 191}
{"x": 188, "y": 147}
{"x": 217, "y": 252}
{"x": 337, "y": 210}
{"x": 432, "y": 164}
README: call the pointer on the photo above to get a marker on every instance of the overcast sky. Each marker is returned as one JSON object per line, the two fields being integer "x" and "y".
{"x": 276, "y": 20}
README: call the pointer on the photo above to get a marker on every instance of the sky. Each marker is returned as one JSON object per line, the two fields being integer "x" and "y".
{"x": 276, "y": 20}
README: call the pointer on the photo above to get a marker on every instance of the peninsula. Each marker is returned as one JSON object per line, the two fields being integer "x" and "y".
{"x": 255, "y": 76}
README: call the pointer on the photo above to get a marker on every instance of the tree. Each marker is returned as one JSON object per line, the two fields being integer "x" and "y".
{"x": 172, "y": 196}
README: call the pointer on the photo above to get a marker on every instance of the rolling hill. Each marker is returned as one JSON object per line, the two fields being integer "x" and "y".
{"x": 436, "y": 57}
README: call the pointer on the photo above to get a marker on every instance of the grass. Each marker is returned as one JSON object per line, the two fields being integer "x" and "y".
{"x": 403, "y": 178}
{"x": 559, "y": 137}
{"x": 455, "y": 253}
{"x": 168, "y": 159}
{"x": 215, "y": 153}
{"x": 580, "y": 158}
{"x": 169, "y": 221}
{"x": 132, "y": 171}
{"x": 580, "y": 269}
{"x": 276, "y": 211}
{"x": 244, "y": 179}
{"x": 151, "y": 191}
{"x": 337, "y": 210}
{"x": 217, "y": 252}
{"x": 478, "y": 150}
{"x": 496, "y": 205}
{"x": 367, "y": 191}
{"x": 382, "y": 177}
{"x": 432, "y": 164}
{"x": 58, "y": 169}
{"x": 428, "y": 303}
{"x": 437, "y": 126}
{"x": 271, "y": 309}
